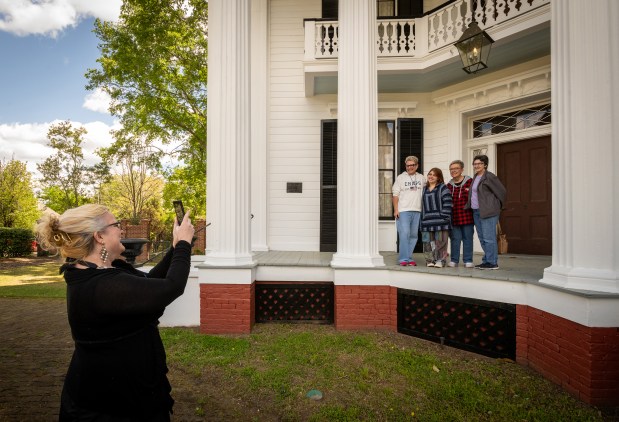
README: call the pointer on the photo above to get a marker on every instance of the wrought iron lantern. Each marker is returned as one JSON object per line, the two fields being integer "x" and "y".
{"x": 474, "y": 48}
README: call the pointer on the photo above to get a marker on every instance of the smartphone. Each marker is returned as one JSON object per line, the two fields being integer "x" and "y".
{"x": 179, "y": 210}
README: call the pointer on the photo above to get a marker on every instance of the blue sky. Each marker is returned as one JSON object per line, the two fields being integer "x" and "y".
{"x": 46, "y": 46}
{"x": 42, "y": 78}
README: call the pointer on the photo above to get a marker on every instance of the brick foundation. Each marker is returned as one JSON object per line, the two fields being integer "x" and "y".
{"x": 140, "y": 231}
{"x": 227, "y": 308}
{"x": 366, "y": 307}
{"x": 584, "y": 361}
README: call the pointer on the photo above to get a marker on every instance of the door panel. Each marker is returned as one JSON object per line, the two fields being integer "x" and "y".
{"x": 524, "y": 168}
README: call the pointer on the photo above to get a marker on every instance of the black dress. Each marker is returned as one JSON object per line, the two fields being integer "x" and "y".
{"x": 118, "y": 369}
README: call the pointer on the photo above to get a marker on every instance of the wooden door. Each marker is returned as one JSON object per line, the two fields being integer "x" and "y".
{"x": 524, "y": 167}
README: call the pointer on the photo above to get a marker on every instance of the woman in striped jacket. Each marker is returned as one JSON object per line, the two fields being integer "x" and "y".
{"x": 435, "y": 219}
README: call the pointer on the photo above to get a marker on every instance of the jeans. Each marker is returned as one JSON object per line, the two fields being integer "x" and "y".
{"x": 408, "y": 232}
{"x": 462, "y": 234}
{"x": 486, "y": 231}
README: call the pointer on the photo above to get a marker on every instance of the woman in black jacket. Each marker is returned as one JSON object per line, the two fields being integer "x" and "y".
{"x": 118, "y": 369}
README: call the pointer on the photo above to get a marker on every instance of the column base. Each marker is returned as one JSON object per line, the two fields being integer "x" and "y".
{"x": 581, "y": 279}
{"x": 355, "y": 261}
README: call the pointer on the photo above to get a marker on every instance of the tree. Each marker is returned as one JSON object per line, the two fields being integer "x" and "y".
{"x": 114, "y": 197}
{"x": 65, "y": 170}
{"x": 18, "y": 205}
{"x": 153, "y": 64}
{"x": 138, "y": 182}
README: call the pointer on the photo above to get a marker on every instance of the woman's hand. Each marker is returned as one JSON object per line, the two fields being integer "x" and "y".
{"x": 183, "y": 231}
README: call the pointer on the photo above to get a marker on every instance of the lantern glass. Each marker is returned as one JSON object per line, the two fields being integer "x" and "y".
{"x": 474, "y": 48}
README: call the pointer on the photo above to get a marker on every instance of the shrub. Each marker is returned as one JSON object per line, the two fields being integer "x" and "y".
{"x": 15, "y": 242}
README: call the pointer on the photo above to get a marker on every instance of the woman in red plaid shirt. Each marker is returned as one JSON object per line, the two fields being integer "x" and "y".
{"x": 461, "y": 219}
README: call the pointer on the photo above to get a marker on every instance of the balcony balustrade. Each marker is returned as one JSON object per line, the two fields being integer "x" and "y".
{"x": 421, "y": 36}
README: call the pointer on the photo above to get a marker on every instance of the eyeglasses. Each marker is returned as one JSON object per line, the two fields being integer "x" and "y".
{"x": 412, "y": 165}
{"x": 478, "y": 164}
{"x": 455, "y": 169}
{"x": 115, "y": 224}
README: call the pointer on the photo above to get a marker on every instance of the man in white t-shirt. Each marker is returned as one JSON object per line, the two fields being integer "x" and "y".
{"x": 407, "y": 191}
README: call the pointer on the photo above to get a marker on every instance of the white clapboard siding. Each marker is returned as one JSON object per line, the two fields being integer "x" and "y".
{"x": 293, "y": 131}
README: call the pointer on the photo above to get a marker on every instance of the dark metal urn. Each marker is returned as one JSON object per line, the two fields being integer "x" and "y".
{"x": 133, "y": 248}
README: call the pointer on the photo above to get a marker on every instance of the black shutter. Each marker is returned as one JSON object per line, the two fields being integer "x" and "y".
{"x": 328, "y": 187}
{"x": 410, "y": 8}
{"x": 329, "y": 9}
{"x": 410, "y": 141}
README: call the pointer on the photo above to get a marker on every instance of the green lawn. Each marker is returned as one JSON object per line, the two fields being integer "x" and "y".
{"x": 40, "y": 280}
{"x": 373, "y": 376}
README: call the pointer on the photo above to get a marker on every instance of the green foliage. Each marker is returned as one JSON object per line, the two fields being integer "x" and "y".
{"x": 66, "y": 179}
{"x": 18, "y": 205}
{"x": 154, "y": 66}
{"x": 180, "y": 185}
{"x": 117, "y": 197}
{"x": 15, "y": 242}
{"x": 55, "y": 198}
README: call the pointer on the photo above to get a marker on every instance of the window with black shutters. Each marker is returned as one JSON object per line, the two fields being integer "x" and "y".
{"x": 391, "y": 157}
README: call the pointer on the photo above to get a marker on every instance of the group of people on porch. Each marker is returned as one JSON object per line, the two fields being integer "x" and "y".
{"x": 448, "y": 211}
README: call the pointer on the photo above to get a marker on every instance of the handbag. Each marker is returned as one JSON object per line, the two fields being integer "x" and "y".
{"x": 501, "y": 240}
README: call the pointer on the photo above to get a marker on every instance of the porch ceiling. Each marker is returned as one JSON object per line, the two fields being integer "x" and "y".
{"x": 504, "y": 53}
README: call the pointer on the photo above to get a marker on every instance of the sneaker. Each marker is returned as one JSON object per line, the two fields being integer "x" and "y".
{"x": 469, "y": 265}
{"x": 452, "y": 264}
{"x": 403, "y": 263}
{"x": 412, "y": 264}
{"x": 429, "y": 264}
{"x": 438, "y": 264}
{"x": 488, "y": 266}
{"x": 479, "y": 266}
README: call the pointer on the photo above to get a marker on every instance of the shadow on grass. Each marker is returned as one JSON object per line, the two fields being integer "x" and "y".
{"x": 54, "y": 290}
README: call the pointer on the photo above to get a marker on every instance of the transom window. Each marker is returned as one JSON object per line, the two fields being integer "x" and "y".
{"x": 512, "y": 121}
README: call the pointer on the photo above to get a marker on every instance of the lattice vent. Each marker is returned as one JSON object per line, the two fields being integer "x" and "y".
{"x": 294, "y": 302}
{"x": 487, "y": 328}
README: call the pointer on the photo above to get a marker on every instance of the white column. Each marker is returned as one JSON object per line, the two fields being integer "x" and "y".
{"x": 259, "y": 106}
{"x": 357, "y": 143}
{"x": 585, "y": 153}
{"x": 228, "y": 143}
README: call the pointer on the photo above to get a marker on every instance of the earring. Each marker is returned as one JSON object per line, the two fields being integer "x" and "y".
{"x": 104, "y": 254}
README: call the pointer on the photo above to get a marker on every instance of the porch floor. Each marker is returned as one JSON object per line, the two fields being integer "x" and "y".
{"x": 512, "y": 267}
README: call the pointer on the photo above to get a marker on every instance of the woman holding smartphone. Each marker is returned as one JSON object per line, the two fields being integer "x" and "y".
{"x": 118, "y": 369}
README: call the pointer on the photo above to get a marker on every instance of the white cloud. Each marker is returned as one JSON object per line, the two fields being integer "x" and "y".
{"x": 28, "y": 142}
{"x": 98, "y": 101}
{"x": 50, "y": 17}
